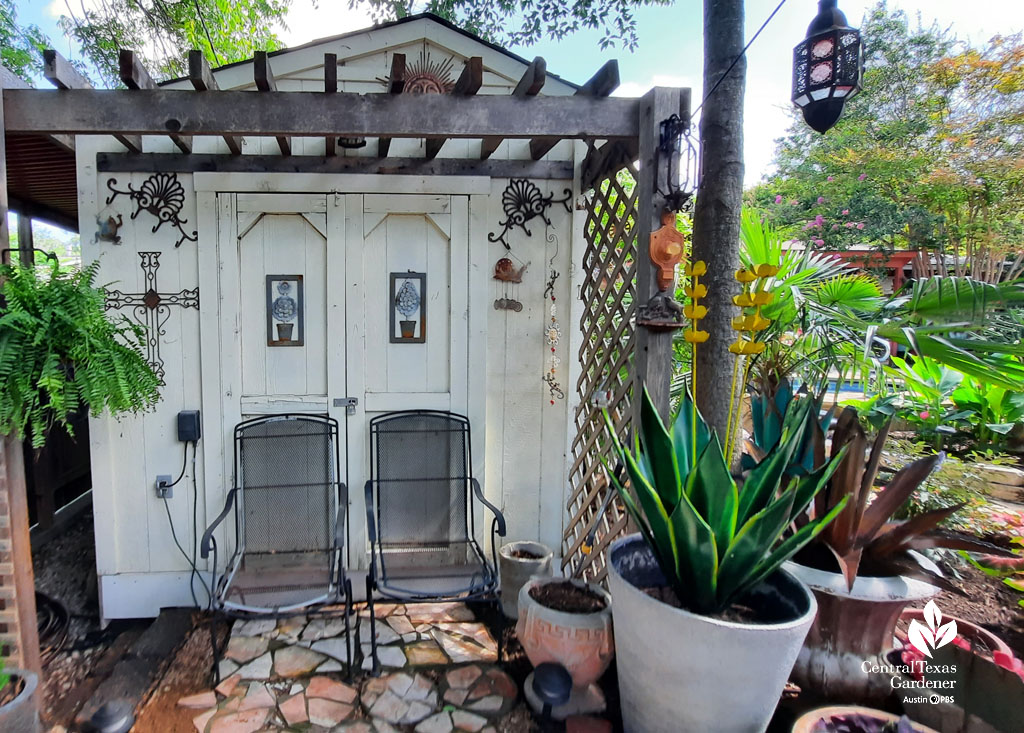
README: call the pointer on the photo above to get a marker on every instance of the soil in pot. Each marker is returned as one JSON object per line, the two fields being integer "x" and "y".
{"x": 567, "y": 598}
{"x": 524, "y": 555}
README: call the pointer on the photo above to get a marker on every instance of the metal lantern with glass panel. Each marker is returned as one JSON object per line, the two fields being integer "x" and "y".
{"x": 826, "y": 67}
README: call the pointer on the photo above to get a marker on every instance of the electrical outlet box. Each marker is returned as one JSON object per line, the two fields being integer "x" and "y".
{"x": 188, "y": 426}
{"x": 164, "y": 490}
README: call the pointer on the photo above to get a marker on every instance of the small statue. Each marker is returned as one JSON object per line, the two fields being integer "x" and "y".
{"x": 666, "y": 249}
{"x": 108, "y": 229}
{"x": 505, "y": 271}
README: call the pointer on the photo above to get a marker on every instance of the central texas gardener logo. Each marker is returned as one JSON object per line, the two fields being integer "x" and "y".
{"x": 933, "y": 636}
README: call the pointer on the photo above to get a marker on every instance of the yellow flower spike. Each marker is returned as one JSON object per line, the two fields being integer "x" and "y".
{"x": 766, "y": 270}
{"x": 696, "y": 291}
{"x": 745, "y": 276}
{"x": 762, "y": 297}
{"x": 739, "y": 323}
{"x": 695, "y": 269}
{"x": 695, "y": 337}
{"x": 744, "y": 347}
{"x": 695, "y": 312}
{"x": 743, "y": 300}
{"x": 758, "y": 323}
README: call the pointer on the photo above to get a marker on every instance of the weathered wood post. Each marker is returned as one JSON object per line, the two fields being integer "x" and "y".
{"x": 19, "y": 636}
{"x": 653, "y": 350}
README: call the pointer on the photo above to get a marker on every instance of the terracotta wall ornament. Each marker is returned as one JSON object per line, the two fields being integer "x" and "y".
{"x": 161, "y": 195}
{"x": 506, "y": 272}
{"x": 665, "y": 249}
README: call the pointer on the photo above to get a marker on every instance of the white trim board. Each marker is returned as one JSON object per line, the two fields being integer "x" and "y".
{"x": 338, "y": 183}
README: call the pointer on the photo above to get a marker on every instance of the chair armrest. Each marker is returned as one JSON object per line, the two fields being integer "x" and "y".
{"x": 494, "y": 510}
{"x": 204, "y": 548}
{"x": 339, "y": 523}
{"x": 371, "y": 525}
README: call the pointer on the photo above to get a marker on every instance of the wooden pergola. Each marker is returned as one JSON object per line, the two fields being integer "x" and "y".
{"x": 616, "y": 356}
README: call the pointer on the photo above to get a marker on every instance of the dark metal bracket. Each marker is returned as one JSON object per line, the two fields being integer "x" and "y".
{"x": 523, "y": 201}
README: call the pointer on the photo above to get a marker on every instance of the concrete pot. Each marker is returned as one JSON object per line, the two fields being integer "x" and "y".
{"x": 852, "y": 626}
{"x": 21, "y": 715}
{"x": 807, "y": 722}
{"x": 681, "y": 672}
{"x": 516, "y": 571}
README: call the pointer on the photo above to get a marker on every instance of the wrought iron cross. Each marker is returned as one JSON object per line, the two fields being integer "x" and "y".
{"x": 152, "y": 308}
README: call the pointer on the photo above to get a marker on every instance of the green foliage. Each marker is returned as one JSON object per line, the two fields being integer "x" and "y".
{"x": 523, "y": 22}
{"x": 714, "y": 541}
{"x": 767, "y": 415}
{"x": 21, "y": 46}
{"x": 58, "y": 352}
{"x": 927, "y": 157}
{"x": 5, "y": 677}
{"x": 990, "y": 410}
{"x": 162, "y": 32}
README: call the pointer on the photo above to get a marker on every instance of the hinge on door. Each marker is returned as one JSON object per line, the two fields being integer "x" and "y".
{"x": 349, "y": 403}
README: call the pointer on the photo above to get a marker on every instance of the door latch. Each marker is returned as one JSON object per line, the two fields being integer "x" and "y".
{"x": 349, "y": 403}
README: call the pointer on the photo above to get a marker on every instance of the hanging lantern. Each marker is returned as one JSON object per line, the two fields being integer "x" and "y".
{"x": 826, "y": 67}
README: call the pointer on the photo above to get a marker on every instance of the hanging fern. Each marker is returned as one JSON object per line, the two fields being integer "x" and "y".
{"x": 59, "y": 352}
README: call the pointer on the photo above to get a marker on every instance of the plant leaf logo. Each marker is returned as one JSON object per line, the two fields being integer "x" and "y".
{"x": 933, "y": 636}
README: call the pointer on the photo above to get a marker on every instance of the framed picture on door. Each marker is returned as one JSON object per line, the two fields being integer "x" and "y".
{"x": 408, "y": 308}
{"x": 285, "y": 307}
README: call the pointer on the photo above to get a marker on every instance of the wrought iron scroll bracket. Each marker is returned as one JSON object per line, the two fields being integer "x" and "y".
{"x": 161, "y": 195}
{"x": 522, "y": 201}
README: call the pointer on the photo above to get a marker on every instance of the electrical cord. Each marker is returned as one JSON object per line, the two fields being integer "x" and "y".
{"x": 174, "y": 535}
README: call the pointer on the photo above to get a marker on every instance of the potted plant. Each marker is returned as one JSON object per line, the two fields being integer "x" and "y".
{"x": 568, "y": 622}
{"x": 59, "y": 351}
{"x": 19, "y": 709}
{"x": 517, "y": 563}
{"x": 855, "y": 719}
{"x": 708, "y": 624}
{"x": 866, "y": 568}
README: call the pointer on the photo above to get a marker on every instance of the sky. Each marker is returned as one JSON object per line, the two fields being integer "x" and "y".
{"x": 670, "y": 50}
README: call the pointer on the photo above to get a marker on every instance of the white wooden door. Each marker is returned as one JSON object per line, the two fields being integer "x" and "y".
{"x": 388, "y": 234}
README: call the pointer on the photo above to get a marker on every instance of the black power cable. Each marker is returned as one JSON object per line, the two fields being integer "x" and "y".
{"x": 191, "y": 560}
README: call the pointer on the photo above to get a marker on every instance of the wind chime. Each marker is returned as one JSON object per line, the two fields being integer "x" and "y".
{"x": 553, "y": 333}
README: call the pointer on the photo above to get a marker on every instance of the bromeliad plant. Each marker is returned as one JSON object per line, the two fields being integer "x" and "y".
{"x": 714, "y": 540}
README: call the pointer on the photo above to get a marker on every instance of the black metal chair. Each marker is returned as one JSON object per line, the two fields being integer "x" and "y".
{"x": 420, "y": 513}
{"x": 290, "y": 520}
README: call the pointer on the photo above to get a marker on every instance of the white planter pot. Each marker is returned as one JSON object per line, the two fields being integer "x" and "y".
{"x": 516, "y": 571}
{"x": 852, "y": 626}
{"x": 682, "y": 672}
{"x": 21, "y": 715}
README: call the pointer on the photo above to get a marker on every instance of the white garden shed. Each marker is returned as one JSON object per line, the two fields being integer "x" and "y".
{"x": 269, "y": 246}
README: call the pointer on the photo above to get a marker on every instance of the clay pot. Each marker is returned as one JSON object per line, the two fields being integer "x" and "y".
{"x": 408, "y": 329}
{"x": 284, "y": 331}
{"x": 580, "y": 642}
{"x": 807, "y": 722}
{"x": 852, "y": 626}
{"x": 516, "y": 571}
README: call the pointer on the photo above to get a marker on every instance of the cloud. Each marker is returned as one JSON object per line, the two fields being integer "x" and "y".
{"x": 639, "y": 89}
{"x": 307, "y": 23}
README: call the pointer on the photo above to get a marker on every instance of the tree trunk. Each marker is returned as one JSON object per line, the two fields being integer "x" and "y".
{"x": 716, "y": 220}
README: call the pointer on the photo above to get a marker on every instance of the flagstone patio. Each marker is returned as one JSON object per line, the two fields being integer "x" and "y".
{"x": 439, "y": 674}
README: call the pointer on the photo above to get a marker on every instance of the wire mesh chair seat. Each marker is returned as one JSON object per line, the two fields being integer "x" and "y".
{"x": 421, "y": 514}
{"x": 288, "y": 504}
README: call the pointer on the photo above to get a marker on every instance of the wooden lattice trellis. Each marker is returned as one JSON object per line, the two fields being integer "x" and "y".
{"x": 608, "y": 293}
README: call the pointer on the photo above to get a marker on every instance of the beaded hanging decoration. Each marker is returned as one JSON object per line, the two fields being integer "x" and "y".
{"x": 553, "y": 333}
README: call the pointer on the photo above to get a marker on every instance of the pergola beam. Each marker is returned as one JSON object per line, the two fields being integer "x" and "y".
{"x": 396, "y": 85}
{"x": 201, "y": 76}
{"x": 263, "y": 75}
{"x": 10, "y": 80}
{"x": 314, "y": 114}
{"x": 530, "y": 84}
{"x": 468, "y": 84}
{"x": 600, "y": 85}
{"x": 135, "y": 76}
{"x": 58, "y": 71}
{"x": 210, "y": 163}
{"x": 330, "y": 87}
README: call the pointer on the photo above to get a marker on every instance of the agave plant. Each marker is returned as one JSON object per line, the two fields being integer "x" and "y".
{"x": 714, "y": 540}
{"x": 864, "y": 537}
{"x": 767, "y": 412}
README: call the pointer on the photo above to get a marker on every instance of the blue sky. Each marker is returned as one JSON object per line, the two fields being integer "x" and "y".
{"x": 670, "y": 49}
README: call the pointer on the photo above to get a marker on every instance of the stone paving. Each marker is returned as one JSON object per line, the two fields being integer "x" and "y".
{"x": 438, "y": 675}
